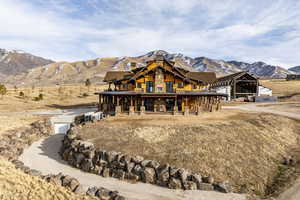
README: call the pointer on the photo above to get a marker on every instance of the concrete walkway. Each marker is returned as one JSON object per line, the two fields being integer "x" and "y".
{"x": 259, "y": 107}
{"x": 43, "y": 156}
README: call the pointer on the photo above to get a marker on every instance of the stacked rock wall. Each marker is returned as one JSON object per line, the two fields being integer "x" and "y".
{"x": 83, "y": 155}
{"x": 13, "y": 143}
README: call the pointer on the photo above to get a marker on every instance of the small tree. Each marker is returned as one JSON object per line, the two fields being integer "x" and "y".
{"x": 32, "y": 88}
{"x": 3, "y": 91}
{"x": 21, "y": 94}
{"x": 88, "y": 84}
{"x": 16, "y": 89}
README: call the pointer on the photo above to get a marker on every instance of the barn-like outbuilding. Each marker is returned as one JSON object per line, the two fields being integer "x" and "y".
{"x": 240, "y": 84}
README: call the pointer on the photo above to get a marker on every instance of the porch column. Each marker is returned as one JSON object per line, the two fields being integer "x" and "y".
{"x": 186, "y": 107}
{"x": 100, "y": 102}
{"x": 198, "y": 106}
{"x": 142, "y": 108}
{"x": 131, "y": 107}
{"x": 118, "y": 109}
{"x": 175, "y": 109}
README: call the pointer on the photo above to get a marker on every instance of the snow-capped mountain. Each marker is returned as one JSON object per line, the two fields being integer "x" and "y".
{"x": 13, "y": 62}
{"x": 95, "y": 69}
{"x": 262, "y": 69}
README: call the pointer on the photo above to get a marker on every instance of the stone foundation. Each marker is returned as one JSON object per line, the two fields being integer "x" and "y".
{"x": 118, "y": 110}
{"x": 186, "y": 111}
{"x": 131, "y": 110}
{"x": 142, "y": 110}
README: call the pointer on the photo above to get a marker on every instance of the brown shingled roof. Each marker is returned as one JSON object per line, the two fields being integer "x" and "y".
{"x": 206, "y": 77}
{"x": 116, "y": 75}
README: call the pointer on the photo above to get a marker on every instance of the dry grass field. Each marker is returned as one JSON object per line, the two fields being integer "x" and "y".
{"x": 54, "y": 97}
{"x": 245, "y": 149}
{"x": 16, "y": 185}
{"x": 291, "y": 107}
{"x": 14, "y": 122}
{"x": 283, "y": 88}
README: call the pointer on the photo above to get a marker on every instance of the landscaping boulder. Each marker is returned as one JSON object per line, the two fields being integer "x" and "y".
{"x": 190, "y": 185}
{"x": 103, "y": 194}
{"x": 137, "y": 159}
{"x": 174, "y": 183}
{"x": 148, "y": 175}
{"x": 208, "y": 179}
{"x": 92, "y": 191}
{"x": 205, "y": 186}
{"x": 106, "y": 172}
{"x": 223, "y": 187}
{"x": 79, "y": 190}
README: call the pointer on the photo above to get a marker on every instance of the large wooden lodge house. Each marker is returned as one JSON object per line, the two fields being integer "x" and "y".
{"x": 159, "y": 87}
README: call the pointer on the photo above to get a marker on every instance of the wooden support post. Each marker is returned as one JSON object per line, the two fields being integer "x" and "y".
{"x": 234, "y": 89}
{"x": 142, "y": 108}
{"x": 131, "y": 107}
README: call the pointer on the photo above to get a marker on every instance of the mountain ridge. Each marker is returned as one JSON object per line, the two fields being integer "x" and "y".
{"x": 95, "y": 69}
{"x": 13, "y": 62}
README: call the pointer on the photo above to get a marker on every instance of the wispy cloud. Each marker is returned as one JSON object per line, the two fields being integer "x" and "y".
{"x": 81, "y": 29}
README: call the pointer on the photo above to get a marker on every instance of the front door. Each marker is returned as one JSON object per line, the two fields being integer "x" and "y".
{"x": 149, "y": 104}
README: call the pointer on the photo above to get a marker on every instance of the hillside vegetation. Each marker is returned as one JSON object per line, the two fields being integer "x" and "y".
{"x": 16, "y": 185}
{"x": 287, "y": 90}
{"x": 54, "y": 97}
{"x": 245, "y": 149}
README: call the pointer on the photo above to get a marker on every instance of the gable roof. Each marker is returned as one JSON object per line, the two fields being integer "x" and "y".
{"x": 111, "y": 76}
{"x": 229, "y": 78}
{"x": 235, "y": 76}
{"x": 206, "y": 77}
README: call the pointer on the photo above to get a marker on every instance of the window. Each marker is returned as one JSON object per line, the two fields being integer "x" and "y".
{"x": 180, "y": 85}
{"x": 149, "y": 86}
{"x": 169, "y": 86}
{"x": 138, "y": 85}
{"x": 159, "y": 89}
{"x": 125, "y": 86}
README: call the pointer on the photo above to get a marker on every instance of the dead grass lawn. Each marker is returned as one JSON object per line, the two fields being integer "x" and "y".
{"x": 281, "y": 87}
{"x": 16, "y": 185}
{"x": 245, "y": 149}
{"x": 55, "y": 97}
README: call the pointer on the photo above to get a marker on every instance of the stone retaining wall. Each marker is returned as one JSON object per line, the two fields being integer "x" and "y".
{"x": 13, "y": 143}
{"x": 83, "y": 155}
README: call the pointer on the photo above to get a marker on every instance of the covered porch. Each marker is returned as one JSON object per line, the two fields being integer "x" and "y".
{"x": 130, "y": 102}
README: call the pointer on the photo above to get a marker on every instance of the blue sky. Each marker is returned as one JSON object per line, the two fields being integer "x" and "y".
{"x": 70, "y": 30}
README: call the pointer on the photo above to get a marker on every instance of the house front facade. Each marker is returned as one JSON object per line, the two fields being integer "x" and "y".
{"x": 159, "y": 86}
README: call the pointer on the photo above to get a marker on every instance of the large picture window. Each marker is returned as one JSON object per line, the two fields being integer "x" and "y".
{"x": 149, "y": 86}
{"x": 169, "y": 86}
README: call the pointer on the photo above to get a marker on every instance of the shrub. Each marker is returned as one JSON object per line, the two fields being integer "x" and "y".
{"x": 39, "y": 98}
{"x": 85, "y": 95}
{"x": 3, "y": 90}
{"x": 21, "y": 94}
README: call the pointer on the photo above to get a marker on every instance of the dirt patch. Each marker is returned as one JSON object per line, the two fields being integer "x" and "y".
{"x": 15, "y": 185}
{"x": 245, "y": 149}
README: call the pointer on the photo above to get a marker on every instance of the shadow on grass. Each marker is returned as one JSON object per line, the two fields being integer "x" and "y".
{"x": 82, "y": 105}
